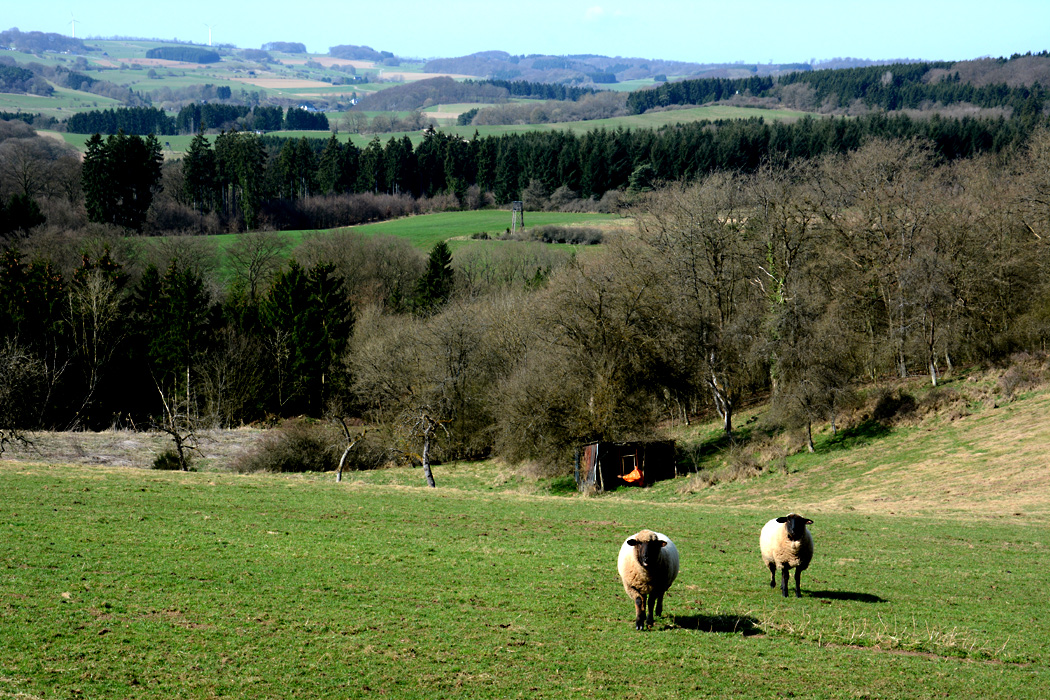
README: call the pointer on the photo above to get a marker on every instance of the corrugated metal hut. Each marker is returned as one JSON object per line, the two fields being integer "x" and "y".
{"x": 603, "y": 466}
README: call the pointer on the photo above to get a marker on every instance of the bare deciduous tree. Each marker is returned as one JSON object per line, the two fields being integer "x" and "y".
{"x": 699, "y": 233}
{"x": 180, "y": 423}
{"x": 420, "y": 424}
{"x": 95, "y": 319}
{"x": 254, "y": 258}
{"x": 21, "y": 386}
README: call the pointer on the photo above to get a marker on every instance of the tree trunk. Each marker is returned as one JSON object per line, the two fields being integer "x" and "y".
{"x": 809, "y": 437}
{"x": 426, "y": 462}
{"x": 342, "y": 461}
{"x": 723, "y": 404}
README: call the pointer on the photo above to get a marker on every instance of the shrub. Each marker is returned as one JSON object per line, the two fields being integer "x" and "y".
{"x": 1026, "y": 372}
{"x": 367, "y": 454}
{"x": 553, "y": 233}
{"x": 297, "y": 445}
{"x": 740, "y": 463}
{"x": 890, "y": 405}
{"x": 943, "y": 400}
{"x": 169, "y": 460}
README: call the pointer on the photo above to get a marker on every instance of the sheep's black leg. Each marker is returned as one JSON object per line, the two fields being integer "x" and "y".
{"x": 798, "y": 583}
{"x": 784, "y": 580}
{"x": 639, "y": 612}
{"x": 660, "y": 605}
{"x": 652, "y": 602}
{"x": 772, "y": 575}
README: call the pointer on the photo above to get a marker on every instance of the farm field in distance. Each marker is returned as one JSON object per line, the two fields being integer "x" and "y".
{"x": 176, "y": 145}
{"x": 301, "y": 77}
{"x": 928, "y": 581}
{"x": 425, "y": 230}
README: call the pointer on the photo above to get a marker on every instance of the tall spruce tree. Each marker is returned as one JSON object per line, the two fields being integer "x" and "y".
{"x": 434, "y": 288}
{"x": 120, "y": 176}
{"x": 198, "y": 173}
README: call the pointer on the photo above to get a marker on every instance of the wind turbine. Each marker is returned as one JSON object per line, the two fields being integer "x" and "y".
{"x": 209, "y": 26}
{"x": 74, "y": 23}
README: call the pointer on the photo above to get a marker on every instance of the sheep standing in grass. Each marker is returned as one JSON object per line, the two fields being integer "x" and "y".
{"x": 786, "y": 544}
{"x": 648, "y": 565}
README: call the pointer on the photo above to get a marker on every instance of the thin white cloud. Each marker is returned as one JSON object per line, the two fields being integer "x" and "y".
{"x": 593, "y": 13}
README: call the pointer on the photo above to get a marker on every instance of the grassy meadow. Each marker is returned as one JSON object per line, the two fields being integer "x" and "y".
{"x": 425, "y": 230}
{"x": 928, "y": 581}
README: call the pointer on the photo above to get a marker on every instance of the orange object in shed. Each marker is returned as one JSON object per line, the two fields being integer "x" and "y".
{"x": 603, "y": 466}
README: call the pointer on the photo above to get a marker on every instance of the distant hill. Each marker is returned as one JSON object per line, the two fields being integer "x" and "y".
{"x": 38, "y": 42}
{"x": 1014, "y": 84}
{"x": 423, "y": 93}
{"x": 590, "y": 69}
{"x": 285, "y": 46}
{"x": 1015, "y": 71}
{"x": 361, "y": 53}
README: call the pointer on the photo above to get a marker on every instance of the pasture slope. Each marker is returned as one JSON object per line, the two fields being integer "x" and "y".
{"x": 929, "y": 578}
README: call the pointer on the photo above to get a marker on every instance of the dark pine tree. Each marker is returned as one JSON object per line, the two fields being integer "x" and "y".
{"x": 434, "y": 288}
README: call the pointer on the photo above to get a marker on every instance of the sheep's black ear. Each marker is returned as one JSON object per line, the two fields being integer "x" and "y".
{"x": 808, "y": 521}
{"x": 663, "y": 543}
{"x": 632, "y": 543}
{"x": 782, "y": 520}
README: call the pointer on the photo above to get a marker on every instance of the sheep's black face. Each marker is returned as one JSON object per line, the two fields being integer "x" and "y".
{"x": 648, "y": 553}
{"x": 796, "y": 526}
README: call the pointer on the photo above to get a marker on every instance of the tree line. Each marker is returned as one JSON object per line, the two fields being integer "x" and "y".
{"x": 188, "y": 54}
{"x": 794, "y": 280}
{"x": 892, "y": 87}
{"x": 538, "y": 91}
{"x": 17, "y": 79}
{"x": 193, "y": 117}
{"x": 241, "y": 181}
{"x": 130, "y": 120}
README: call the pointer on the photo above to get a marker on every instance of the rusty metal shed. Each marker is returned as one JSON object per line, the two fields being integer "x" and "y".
{"x": 604, "y": 466}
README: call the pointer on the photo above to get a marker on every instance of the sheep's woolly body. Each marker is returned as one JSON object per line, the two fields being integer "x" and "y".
{"x": 779, "y": 551}
{"x": 642, "y": 583}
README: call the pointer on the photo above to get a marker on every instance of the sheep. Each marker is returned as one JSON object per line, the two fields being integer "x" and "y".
{"x": 648, "y": 565}
{"x": 786, "y": 544}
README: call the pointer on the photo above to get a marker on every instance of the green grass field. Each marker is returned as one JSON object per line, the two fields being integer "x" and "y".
{"x": 122, "y": 582}
{"x": 425, "y": 230}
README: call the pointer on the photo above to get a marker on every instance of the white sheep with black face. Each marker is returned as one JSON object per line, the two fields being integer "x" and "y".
{"x": 786, "y": 544}
{"x": 648, "y": 565}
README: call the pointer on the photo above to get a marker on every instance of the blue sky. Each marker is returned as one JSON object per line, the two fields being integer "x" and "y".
{"x": 751, "y": 31}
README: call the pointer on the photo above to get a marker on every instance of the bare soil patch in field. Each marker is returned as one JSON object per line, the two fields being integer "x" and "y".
{"x": 160, "y": 62}
{"x": 279, "y": 83}
{"x": 409, "y": 77}
{"x": 450, "y": 114}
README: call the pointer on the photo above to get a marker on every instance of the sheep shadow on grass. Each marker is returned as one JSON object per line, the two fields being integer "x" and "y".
{"x": 727, "y": 624}
{"x": 845, "y": 595}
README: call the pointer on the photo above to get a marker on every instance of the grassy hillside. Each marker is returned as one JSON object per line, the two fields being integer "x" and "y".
{"x": 928, "y": 581}
{"x": 968, "y": 449}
